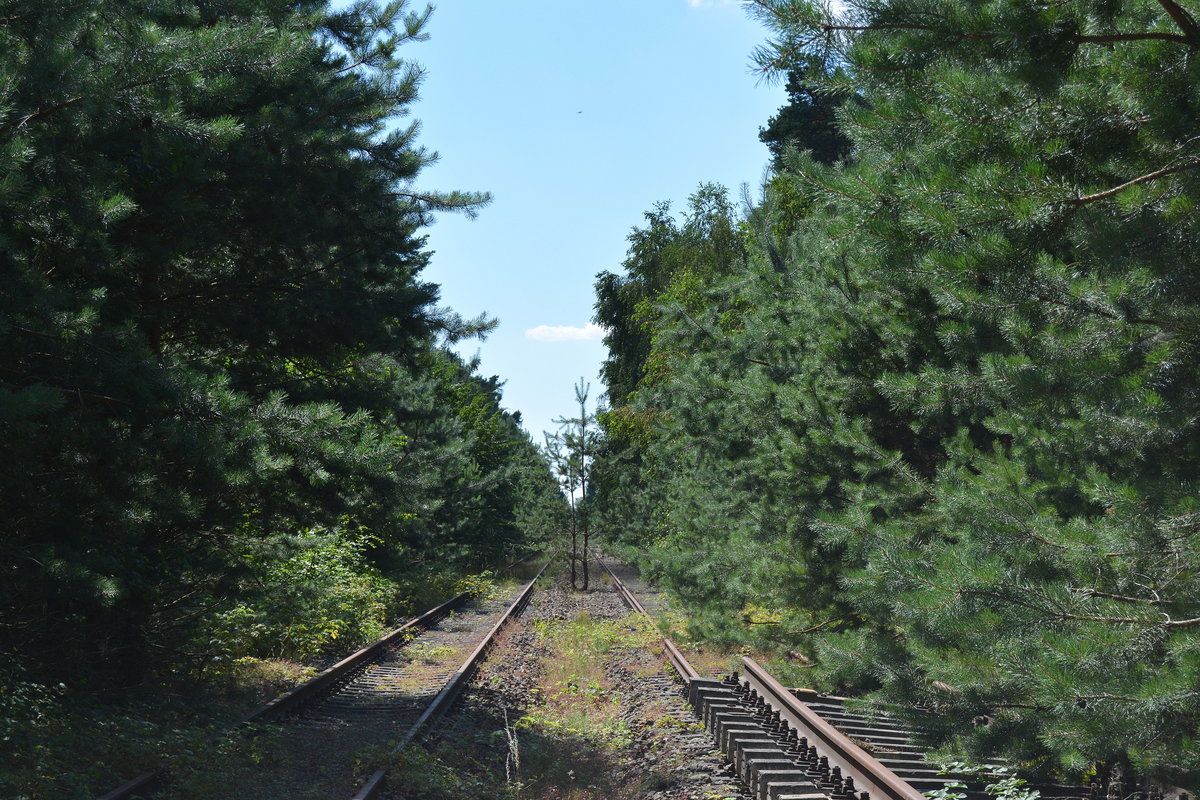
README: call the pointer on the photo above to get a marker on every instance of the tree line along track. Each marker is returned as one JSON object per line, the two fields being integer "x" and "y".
{"x": 384, "y": 693}
{"x": 797, "y": 744}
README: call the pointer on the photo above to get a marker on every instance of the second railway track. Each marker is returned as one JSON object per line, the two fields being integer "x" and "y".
{"x": 379, "y": 696}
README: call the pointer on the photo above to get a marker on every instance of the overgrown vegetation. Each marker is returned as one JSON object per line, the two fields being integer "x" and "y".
{"x": 569, "y": 741}
{"x": 577, "y": 698}
{"x": 233, "y": 427}
{"x": 927, "y": 413}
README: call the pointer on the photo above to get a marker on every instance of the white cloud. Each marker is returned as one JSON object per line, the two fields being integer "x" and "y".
{"x": 566, "y": 333}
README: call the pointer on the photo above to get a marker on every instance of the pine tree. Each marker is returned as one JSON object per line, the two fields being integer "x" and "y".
{"x": 571, "y": 452}
{"x": 210, "y": 240}
{"x": 1025, "y": 170}
{"x": 934, "y": 431}
{"x": 809, "y": 120}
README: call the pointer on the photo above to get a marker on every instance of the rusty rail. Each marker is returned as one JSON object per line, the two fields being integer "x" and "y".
{"x": 375, "y": 785}
{"x": 314, "y": 686}
{"x": 289, "y": 701}
{"x": 680, "y": 663}
{"x": 869, "y": 775}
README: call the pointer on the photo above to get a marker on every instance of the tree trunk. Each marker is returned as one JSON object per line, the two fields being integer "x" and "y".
{"x": 586, "y": 536}
{"x": 127, "y": 642}
{"x": 574, "y": 554}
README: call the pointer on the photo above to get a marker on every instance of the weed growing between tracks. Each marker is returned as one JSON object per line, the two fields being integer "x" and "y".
{"x": 543, "y": 719}
{"x": 576, "y": 697}
{"x": 567, "y": 743}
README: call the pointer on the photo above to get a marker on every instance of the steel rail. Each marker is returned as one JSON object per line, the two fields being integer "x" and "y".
{"x": 869, "y": 775}
{"x": 300, "y": 695}
{"x": 873, "y": 779}
{"x": 453, "y": 688}
{"x": 146, "y": 782}
{"x": 314, "y": 686}
{"x": 682, "y": 666}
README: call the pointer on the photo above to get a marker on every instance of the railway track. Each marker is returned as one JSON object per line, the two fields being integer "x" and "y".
{"x": 783, "y": 743}
{"x": 384, "y": 693}
{"x": 451, "y": 689}
{"x": 796, "y": 744}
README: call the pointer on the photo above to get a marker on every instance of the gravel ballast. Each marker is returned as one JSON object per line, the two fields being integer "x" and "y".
{"x": 625, "y": 733}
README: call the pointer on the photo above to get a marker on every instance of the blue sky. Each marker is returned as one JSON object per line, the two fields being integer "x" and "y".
{"x": 577, "y": 116}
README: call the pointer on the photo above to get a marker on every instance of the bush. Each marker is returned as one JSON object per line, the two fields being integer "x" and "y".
{"x": 324, "y": 595}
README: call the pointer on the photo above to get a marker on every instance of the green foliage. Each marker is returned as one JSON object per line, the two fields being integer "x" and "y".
{"x": 438, "y": 774}
{"x": 323, "y": 596}
{"x": 215, "y": 336}
{"x": 809, "y": 120}
{"x": 55, "y": 750}
{"x": 482, "y": 585}
{"x": 499, "y": 500}
{"x": 949, "y": 440}
{"x": 576, "y": 698}
{"x": 1001, "y": 784}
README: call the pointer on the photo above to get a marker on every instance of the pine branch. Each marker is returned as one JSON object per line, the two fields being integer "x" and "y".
{"x": 1120, "y": 597}
{"x": 817, "y": 627}
{"x": 1066, "y": 616}
{"x": 1150, "y": 623}
{"x": 1131, "y": 37}
{"x": 41, "y": 114}
{"x": 1111, "y": 38}
{"x": 812, "y": 179}
{"x": 1079, "y": 306}
{"x": 453, "y": 202}
{"x": 1182, "y": 18}
{"x": 38, "y": 334}
{"x": 1002, "y": 598}
{"x": 273, "y": 282}
{"x": 830, "y": 28}
{"x": 780, "y": 20}
{"x": 313, "y": 375}
{"x": 74, "y": 394}
{"x": 365, "y": 59}
{"x": 1150, "y": 176}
